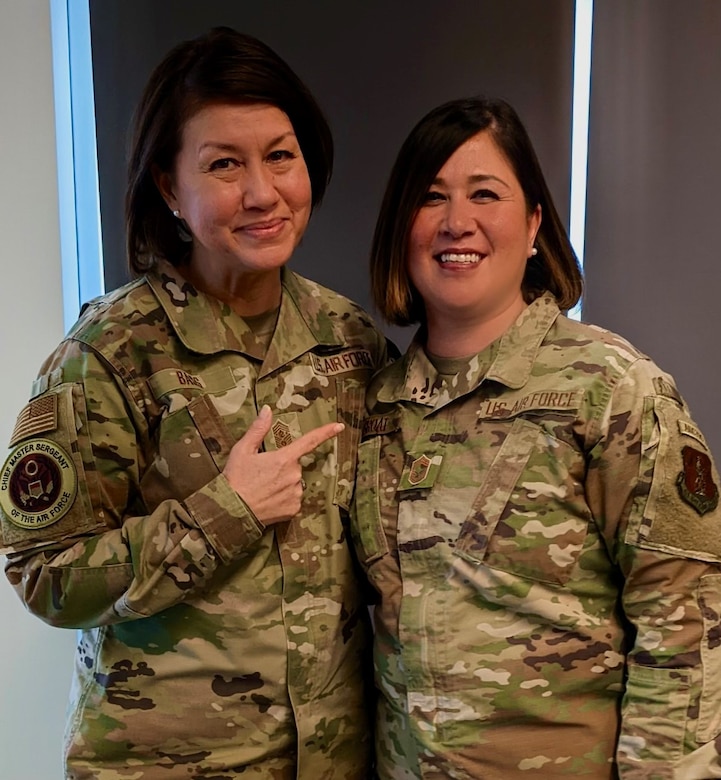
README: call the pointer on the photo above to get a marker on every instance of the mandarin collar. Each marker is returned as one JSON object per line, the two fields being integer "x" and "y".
{"x": 414, "y": 378}
{"x": 206, "y": 325}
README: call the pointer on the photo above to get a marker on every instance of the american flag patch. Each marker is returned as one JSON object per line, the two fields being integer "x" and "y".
{"x": 39, "y": 416}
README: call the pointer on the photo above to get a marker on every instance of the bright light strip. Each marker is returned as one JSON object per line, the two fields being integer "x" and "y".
{"x": 579, "y": 129}
{"x": 80, "y": 238}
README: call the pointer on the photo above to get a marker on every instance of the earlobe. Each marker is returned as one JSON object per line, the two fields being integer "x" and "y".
{"x": 534, "y": 225}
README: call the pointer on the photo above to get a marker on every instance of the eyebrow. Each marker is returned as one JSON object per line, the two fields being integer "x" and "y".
{"x": 225, "y": 147}
{"x": 477, "y": 178}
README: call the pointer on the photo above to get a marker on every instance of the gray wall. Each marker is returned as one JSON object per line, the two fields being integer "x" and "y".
{"x": 375, "y": 67}
{"x": 37, "y": 660}
{"x": 652, "y": 252}
{"x": 653, "y": 245}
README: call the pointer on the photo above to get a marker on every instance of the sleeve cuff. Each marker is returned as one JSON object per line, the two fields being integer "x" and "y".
{"x": 226, "y": 520}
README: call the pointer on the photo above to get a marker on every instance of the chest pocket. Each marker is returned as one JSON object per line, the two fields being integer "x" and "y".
{"x": 530, "y": 516}
{"x": 193, "y": 444}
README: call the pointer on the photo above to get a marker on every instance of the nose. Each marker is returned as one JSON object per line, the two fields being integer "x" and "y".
{"x": 259, "y": 191}
{"x": 458, "y": 218}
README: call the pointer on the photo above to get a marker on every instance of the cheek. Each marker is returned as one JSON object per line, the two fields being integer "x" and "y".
{"x": 422, "y": 234}
{"x": 298, "y": 193}
{"x": 417, "y": 265}
{"x": 511, "y": 235}
{"x": 208, "y": 206}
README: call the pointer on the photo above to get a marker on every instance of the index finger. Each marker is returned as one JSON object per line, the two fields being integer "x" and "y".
{"x": 309, "y": 441}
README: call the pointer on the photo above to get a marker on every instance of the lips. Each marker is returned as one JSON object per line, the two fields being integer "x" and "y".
{"x": 269, "y": 227}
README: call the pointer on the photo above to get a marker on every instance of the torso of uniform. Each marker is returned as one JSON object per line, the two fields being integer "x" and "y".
{"x": 209, "y": 645}
{"x": 523, "y": 514}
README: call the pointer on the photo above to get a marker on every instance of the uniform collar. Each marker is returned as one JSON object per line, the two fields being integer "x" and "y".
{"x": 207, "y": 326}
{"x": 520, "y": 344}
{"x": 414, "y": 378}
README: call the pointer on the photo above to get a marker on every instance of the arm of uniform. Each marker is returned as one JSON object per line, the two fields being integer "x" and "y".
{"x": 88, "y": 539}
{"x": 653, "y": 488}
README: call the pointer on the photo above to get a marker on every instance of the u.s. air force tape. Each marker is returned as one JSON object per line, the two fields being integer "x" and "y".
{"x": 38, "y": 484}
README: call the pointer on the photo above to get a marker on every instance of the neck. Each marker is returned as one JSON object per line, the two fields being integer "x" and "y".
{"x": 460, "y": 337}
{"x": 248, "y": 294}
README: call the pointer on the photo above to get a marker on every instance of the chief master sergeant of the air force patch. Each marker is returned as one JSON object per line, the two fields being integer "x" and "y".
{"x": 38, "y": 484}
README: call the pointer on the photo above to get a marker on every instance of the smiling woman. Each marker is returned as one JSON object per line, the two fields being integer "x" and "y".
{"x": 241, "y": 186}
{"x": 468, "y": 248}
{"x": 178, "y": 483}
{"x": 533, "y": 498}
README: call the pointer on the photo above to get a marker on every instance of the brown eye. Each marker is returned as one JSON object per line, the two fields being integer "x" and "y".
{"x": 222, "y": 164}
{"x": 485, "y": 195}
{"x": 433, "y": 196}
{"x": 280, "y": 155}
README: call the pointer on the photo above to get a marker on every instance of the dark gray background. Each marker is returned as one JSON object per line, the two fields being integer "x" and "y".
{"x": 375, "y": 67}
{"x": 652, "y": 254}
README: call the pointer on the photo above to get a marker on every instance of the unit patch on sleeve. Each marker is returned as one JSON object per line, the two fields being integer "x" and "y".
{"x": 38, "y": 484}
{"x": 695, "y": 483}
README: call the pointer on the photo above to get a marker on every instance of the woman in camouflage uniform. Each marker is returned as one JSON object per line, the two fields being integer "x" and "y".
{"x": 178, "y": 485}
{"x": 534, "y": 506}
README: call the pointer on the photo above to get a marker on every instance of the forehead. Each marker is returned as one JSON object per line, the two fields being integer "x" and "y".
{"x": 478, "y": 155}
{"x": 234, "y": 122}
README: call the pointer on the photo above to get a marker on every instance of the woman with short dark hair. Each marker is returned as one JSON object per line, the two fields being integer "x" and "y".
{"x": 178, "y": 485}
{"x": 533, "y": 502}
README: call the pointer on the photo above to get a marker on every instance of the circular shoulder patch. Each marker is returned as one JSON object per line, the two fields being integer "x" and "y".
{"x": 38, "y": 484}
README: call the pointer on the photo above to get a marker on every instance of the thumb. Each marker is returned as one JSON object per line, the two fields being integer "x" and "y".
{"x": 252, "y": 440}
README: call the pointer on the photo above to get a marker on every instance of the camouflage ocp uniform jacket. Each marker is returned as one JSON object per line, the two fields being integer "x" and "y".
{"x": 209, "y": 645}
{"x": 544, "y": 534}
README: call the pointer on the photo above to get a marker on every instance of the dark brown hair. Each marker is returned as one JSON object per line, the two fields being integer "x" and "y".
{"x": 424, "y": 152}
{"x": 222, "y": 66}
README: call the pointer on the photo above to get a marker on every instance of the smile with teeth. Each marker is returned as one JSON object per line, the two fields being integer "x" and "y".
{"x": 466, "y": 258}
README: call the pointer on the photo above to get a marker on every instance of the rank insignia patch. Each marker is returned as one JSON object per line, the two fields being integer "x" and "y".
{"x": 695, "y": 483}
{"x": 419, "y": 470}
{"x": 38, "y": 484}
{"x": 281, "y": 434}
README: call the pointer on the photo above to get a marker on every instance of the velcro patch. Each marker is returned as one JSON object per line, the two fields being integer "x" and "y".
{"x": 544, "y": 400}
{"x": 170, "y": 380}
{"x": 695, "y": 483}
{"x": 282, "y": 434}
{"x": 342, "y": 362}
{"x": 285, "y": 429}
{"x": 39, "y": 416}
{"x": 689, "y": 429}
{"x": 38, "y": 484}
{"x": 664, "y": 387}
{"x": 379, "y": 424}
{"x": 420, "y": 471}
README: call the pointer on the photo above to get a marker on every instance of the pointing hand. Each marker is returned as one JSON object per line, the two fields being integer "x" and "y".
{"x": 270, "y": 483}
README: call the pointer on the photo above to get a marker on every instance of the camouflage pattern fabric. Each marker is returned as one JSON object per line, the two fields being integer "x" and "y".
{"x": 544, "y": 534}
{"x": 210, "y": 647}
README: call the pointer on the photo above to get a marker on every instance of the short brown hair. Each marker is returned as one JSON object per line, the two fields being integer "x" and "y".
{"x": 221, "y": 66}
{"x": 424, "y": 152}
